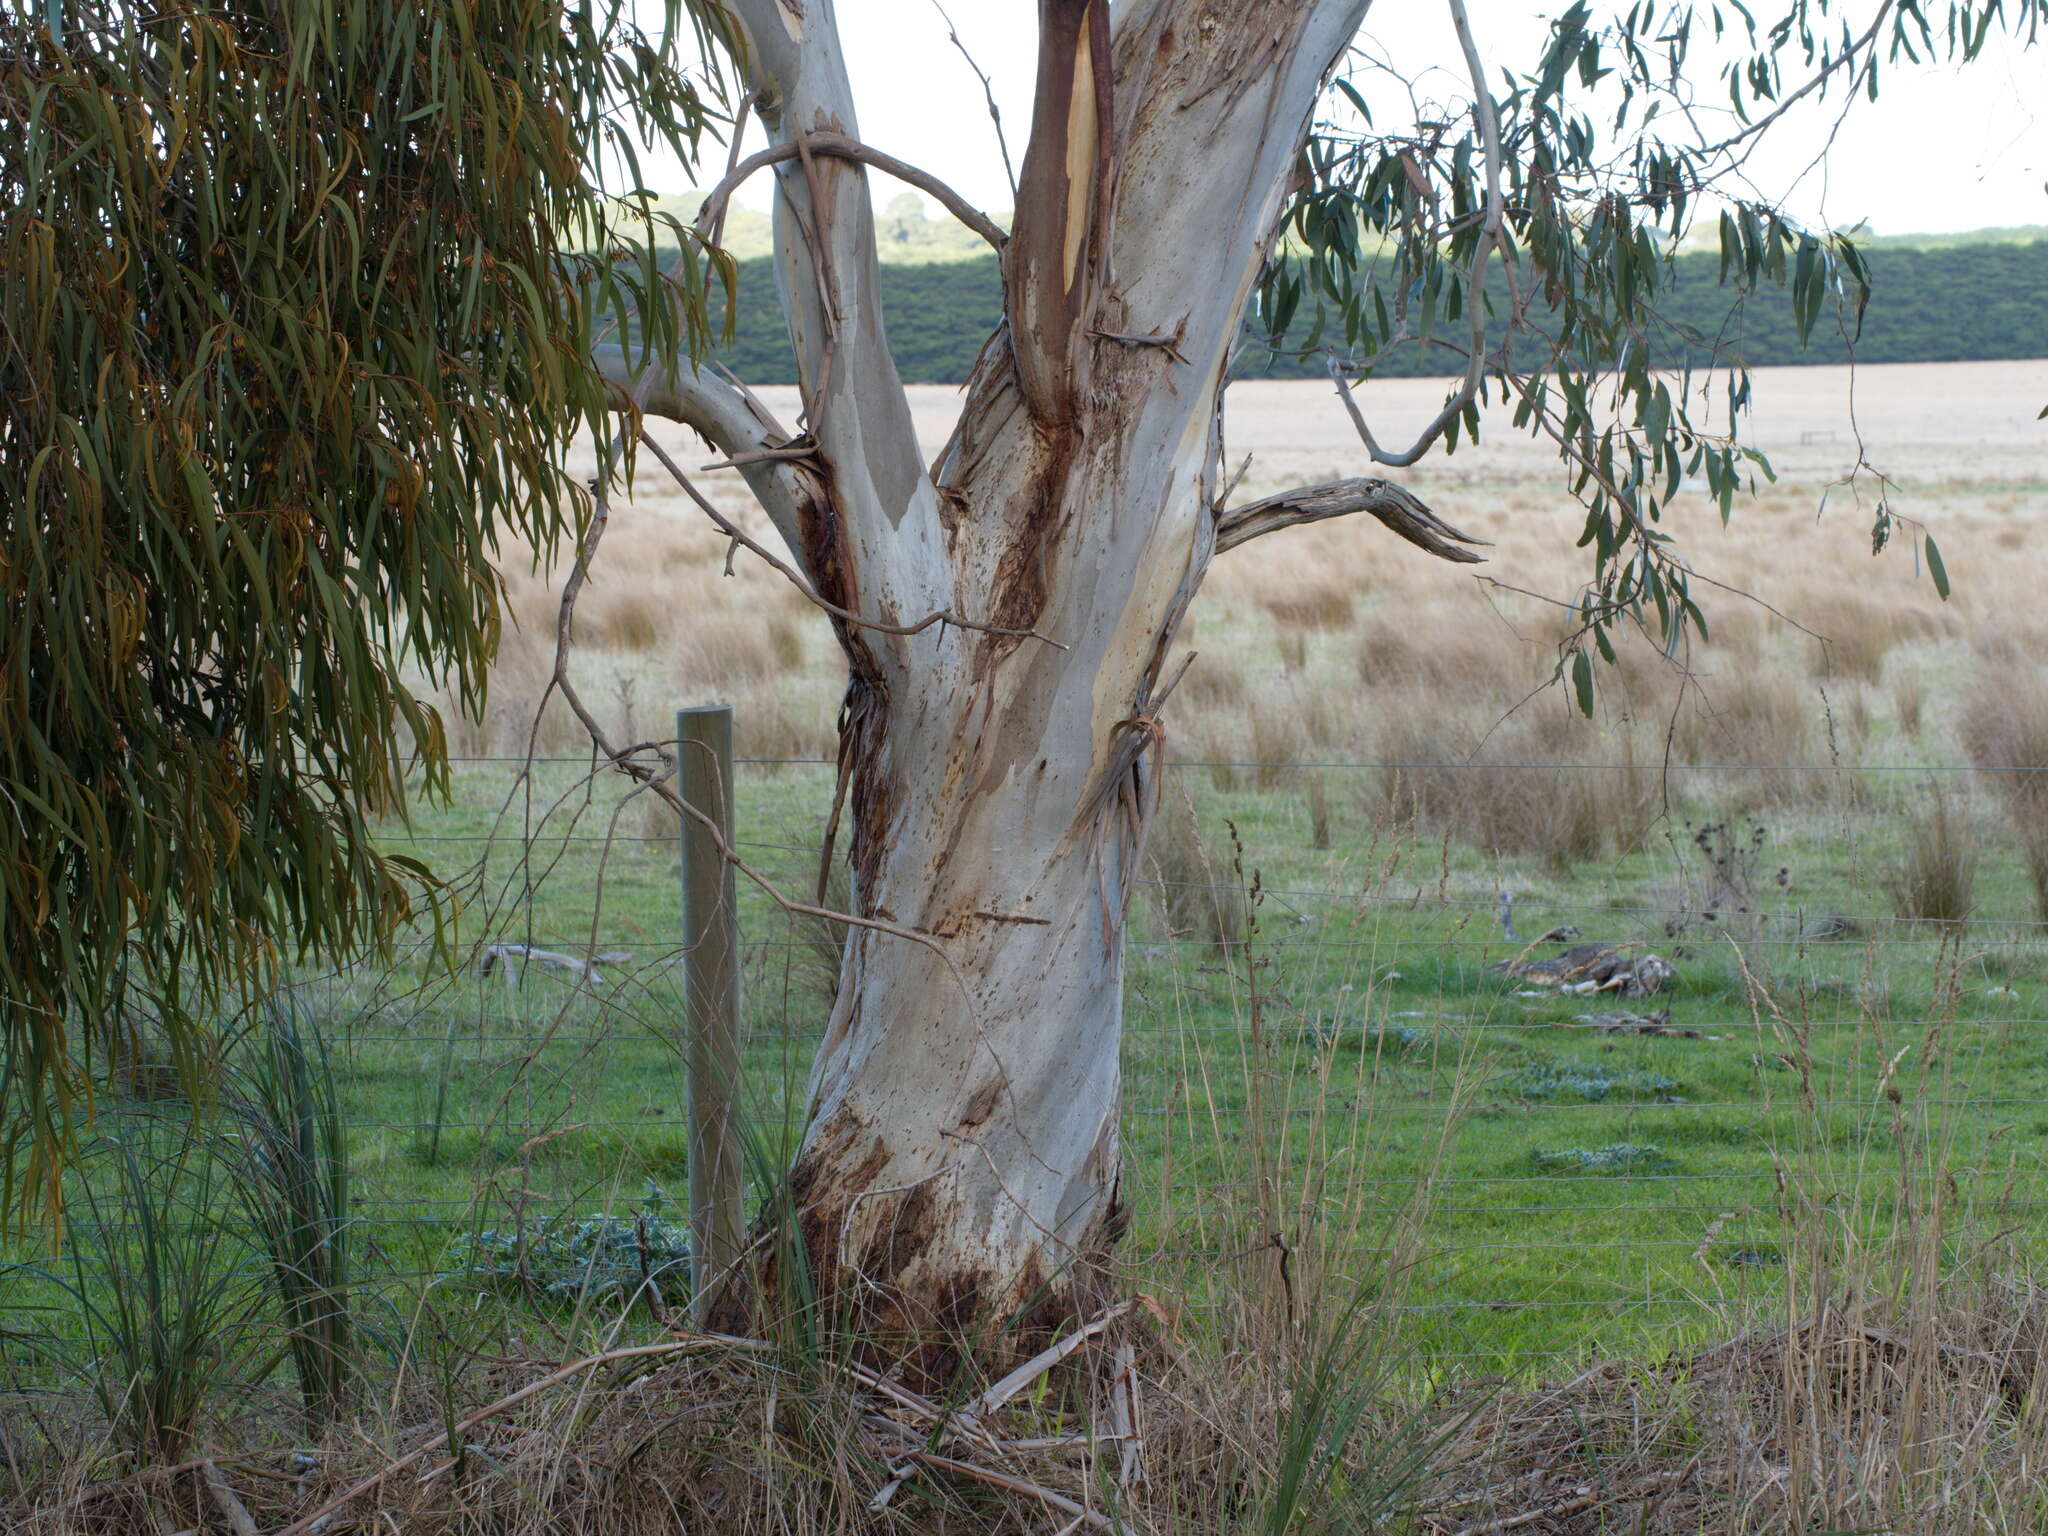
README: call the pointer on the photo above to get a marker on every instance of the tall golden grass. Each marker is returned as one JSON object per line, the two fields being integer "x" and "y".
{"x": 1337, "y": 643}
{"x": 2004, "y": 728}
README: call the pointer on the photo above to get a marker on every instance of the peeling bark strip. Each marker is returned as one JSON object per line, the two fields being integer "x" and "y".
{"x": 1063, "y": 207}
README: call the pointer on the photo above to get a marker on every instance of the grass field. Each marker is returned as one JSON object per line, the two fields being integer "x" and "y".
{"x": 1366, "y": 965}
{"x": 1820, "y": 827}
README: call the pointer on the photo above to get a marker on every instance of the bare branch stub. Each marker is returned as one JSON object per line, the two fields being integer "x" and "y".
{"x": 1398, "y": 509}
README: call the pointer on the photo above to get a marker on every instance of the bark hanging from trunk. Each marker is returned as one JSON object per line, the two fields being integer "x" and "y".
{"x": 1063, "y": 209}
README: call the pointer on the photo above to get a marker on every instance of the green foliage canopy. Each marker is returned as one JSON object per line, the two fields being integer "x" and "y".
{"x": 287, "y": 344}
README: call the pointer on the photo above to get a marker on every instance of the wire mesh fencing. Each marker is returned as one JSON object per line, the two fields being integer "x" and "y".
{"x": 1357, "y": 1050}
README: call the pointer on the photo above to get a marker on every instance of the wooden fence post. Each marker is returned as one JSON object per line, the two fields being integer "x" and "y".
{"x": 712, "y": 990}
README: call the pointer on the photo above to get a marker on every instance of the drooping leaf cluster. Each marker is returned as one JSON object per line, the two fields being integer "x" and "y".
{"x": 288, "y": 343}
{"x": 1392, "y": 234}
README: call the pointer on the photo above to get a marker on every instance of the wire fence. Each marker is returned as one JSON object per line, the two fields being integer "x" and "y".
{"x": 1346, "y": 1061}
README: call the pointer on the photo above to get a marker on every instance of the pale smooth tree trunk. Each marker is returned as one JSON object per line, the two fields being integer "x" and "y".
{"x": 960, "y": 1175}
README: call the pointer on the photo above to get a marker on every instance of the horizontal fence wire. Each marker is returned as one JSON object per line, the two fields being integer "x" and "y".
{"x": 1611, "y": 1170}
{"x": 1362, "y": 764}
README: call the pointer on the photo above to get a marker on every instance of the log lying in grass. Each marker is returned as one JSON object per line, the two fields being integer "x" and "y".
{"x": 1589, "y": 968}
{"x": 508, "y": 955}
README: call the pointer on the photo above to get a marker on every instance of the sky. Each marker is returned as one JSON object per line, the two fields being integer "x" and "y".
{"x": 1942, "y": 150}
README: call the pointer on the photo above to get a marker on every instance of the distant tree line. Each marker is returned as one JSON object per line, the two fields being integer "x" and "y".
{"x": 938, "y": 315}
{"x": 1928, "y": 305}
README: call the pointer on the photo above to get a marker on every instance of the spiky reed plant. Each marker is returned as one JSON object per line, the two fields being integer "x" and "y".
{"x": 291, "y": 1176}
{"x": 1342, "y": 1392}
{"x": 160, "y": 1280}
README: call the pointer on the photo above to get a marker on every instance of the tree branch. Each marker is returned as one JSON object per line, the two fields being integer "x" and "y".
{"x": 1848, "y": 56}
{"x": 1393, "y": 506}
{"x": 841, "y": 147}
{"x": 872, "y": 508}
{"x": 1494, "y": 213}
{"x": 738, "y": 535}
{"x": 726, "y": 417}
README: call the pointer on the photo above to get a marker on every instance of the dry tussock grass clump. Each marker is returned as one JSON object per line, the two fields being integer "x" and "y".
{"x": 1545, "y": 786}
{"x": 1213, "y": 682}
{"x": 1909, "y": 702}
{"x": 725, "y": 648}
{"x": 1215, "y": 738}
{"x": 744, "y": 1437}
{"x": 1735, "y": 624}
{"x": 1934, "y": 878}
{"x": 1922, "y": 1421}
{"x": 771, "y": 733}
{"x": 1754, "y": 718}
{"x": 1465, "y": 663}
{"x": 1280, "y": 738}
{"x": 520, "y": 713}
{"x": 1857, "y": 632}
{"x": 2004, "y": 730}
{"x": 622, "y": 616}
{"x": 1315, "y": 605}
{"x": 1755, "y": 728}
{"x": 727, "y": 1440}
{"x": 1194, "y": 890}
{"x": 1301, "y": 725}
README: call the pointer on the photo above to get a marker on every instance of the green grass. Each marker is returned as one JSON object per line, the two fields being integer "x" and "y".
{"x": 1377, "y": 1009}
{"x": 1363, "y": 1013}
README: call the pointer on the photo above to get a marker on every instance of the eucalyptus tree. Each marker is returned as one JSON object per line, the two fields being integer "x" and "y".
{"x": 288, "y": 341}
{"x": 1008, "y": 611}
{"x": 290, "y": 338}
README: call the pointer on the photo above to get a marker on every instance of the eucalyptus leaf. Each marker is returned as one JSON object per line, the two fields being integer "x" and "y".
{"x": 1936, "y": 568}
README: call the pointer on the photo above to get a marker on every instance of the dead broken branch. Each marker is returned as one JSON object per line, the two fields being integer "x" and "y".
{"x": 1395, "y": 507}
